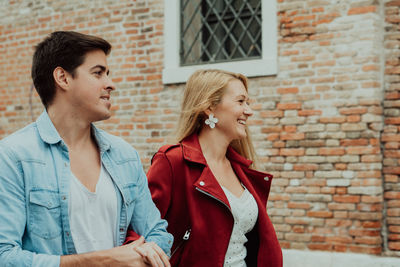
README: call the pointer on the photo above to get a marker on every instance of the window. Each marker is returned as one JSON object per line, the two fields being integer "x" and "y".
{"x": 235, "y": 35}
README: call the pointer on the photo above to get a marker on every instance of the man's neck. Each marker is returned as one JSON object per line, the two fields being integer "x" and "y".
{"x": 73, "y": 129}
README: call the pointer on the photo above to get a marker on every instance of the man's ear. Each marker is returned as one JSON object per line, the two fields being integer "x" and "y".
{"x": 61, "y": 78}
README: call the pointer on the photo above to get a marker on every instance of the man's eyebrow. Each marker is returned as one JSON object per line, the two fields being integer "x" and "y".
{"x": 102, "y": 68}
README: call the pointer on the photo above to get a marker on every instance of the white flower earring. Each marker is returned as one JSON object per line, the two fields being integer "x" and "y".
{"x": 211, "y": 121}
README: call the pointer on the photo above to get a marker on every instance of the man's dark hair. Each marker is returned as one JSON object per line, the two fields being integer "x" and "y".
{"x": 65, "y": 49}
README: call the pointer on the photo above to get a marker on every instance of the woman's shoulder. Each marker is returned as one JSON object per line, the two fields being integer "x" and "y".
{"x": 170, "y": 151}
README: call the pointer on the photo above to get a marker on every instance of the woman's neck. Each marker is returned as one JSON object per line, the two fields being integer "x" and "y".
{"x": 213, "y": 144}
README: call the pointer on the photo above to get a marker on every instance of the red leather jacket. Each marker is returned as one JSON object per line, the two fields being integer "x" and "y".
{"x": 198, "y": 212}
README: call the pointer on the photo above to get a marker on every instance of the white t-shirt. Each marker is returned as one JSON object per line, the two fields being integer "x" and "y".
{"x": 93, "y": 215}
{"x": 245, "y": 212}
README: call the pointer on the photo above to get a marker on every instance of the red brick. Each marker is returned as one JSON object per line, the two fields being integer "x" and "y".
{"x": 392, "y": 195}
{"x": 361, "y": 10}
{"x": 392, "y": 121}
{"x": 272, "y": 129}
{"x": 353, "y": 111}
{"x": 364, "y": 232}
{"x": 353, "y": 142}
{"x": 331, "y": 151}
{"x": 371, "y": 199}
{"x": 309, "y": 112}
{"x": 318, "y": 246}
{"x": 394, "y": 237}
{"x": 362, "y": 150}
{"x": 371, "y": 224}
{"x": 289, "y": 90}
{"x": 344, "y": 206}
{"x": 292, "y": 152}
{"x": 394, "y": 246}
{"x": 394, "y": 228}
{"x": 292, "y": 136}
{"x": 272, "y": 114}
{"x": 298, "y": 205}
{"x": 288, "y": 106}
{"x": 339, "y": 239}
{"x": 334, "y": 120}
{"x": 320, "y": 214}
{"x": 346, "y": 199}
{"x": 377, "y": 240}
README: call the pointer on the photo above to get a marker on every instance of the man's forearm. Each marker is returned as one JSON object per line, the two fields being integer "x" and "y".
{"x": 118, "y": 256}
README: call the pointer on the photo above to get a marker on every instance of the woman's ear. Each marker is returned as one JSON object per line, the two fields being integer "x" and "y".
{"x": 61, "y": 78}
{"x": 209, "y": 111}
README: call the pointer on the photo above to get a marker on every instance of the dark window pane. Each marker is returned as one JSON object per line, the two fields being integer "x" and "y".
{"x": 220, "y": 30}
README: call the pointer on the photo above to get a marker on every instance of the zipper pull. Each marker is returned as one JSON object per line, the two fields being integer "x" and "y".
{"x": 187, "y": 234}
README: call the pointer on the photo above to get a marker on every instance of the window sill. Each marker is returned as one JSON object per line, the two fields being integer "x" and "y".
{"x": 250, "y": 68}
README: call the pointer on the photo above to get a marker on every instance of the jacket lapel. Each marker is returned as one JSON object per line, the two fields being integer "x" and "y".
{"x": 206, "y": 183}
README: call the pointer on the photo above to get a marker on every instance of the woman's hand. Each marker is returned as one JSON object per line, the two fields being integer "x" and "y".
{"x": 153, "y": 254}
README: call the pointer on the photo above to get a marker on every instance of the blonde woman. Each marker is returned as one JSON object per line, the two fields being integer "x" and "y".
{"x": 205, "y": 186}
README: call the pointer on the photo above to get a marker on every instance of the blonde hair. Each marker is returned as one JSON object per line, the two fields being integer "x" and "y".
{"x": 203, "y": 90}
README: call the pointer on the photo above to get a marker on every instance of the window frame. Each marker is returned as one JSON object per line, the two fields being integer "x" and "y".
{"x": 174, "y": 73}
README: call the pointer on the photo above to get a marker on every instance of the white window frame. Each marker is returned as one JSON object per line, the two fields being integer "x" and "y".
{"x": 174, "y": 73}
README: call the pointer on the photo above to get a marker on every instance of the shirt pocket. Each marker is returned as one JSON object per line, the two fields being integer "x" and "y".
{"x": 45, "y": 213}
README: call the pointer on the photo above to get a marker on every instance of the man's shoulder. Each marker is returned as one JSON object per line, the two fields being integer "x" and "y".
{"x": 25, "y": 143}
{"x": 24, "y": 139}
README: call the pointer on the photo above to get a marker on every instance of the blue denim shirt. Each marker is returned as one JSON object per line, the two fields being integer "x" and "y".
{"x": 34, "y": 188}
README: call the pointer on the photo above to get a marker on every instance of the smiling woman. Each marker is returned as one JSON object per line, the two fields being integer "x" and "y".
{"x": 206, "y": 185}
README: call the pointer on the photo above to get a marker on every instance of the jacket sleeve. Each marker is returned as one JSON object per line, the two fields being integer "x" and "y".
{"x": 13, "y": 217}
{"x": 146, "y": 218}
{"x": 160, "y": 182}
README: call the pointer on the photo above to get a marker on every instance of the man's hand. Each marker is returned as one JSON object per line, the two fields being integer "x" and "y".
{"x": 153, "y": 254}
{"x": 123, "y": 256}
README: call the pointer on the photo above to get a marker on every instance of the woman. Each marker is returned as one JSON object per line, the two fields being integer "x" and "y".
{"x": 205, "y": 186}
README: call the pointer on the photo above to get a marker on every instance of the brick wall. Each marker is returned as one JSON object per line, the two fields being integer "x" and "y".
{"x": 326, "y": 125}
{"x": 391, "y": 136}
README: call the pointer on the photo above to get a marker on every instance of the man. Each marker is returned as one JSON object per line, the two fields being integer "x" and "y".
{"x": 69, "y": 191}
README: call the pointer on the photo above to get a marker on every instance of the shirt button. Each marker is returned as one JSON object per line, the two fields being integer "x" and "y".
{"x": 63, "y": 197}
{"x": 121, "y": 229}
{"x": 67, "y": 233}
{"x": 202, "y": 183}
{"x": 66, "y": 164}
{"x": 266, "y": 178}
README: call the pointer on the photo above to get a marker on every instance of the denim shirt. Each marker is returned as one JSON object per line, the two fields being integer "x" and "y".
{"x": 34, "y": 188}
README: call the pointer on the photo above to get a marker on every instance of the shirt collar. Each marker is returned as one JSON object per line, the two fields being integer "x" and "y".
{"x": 49, "y": 134}
{"x": 47, "y": 130}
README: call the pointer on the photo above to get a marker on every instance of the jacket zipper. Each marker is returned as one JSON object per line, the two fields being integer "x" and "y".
{"x": 217, "y": 199}
{"x": 184, "y": 239}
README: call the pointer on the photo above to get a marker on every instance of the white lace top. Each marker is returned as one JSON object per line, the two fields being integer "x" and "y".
{"x": 245, "y": 213}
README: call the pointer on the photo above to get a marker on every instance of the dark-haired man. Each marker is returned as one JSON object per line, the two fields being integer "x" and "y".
{"x": 69, "y": 191}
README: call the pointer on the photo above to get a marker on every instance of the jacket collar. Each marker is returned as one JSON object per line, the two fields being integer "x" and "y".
{"x": 192, "y": 152}
{"x": 206, "y": 182}
{"x": 50, "y": 135}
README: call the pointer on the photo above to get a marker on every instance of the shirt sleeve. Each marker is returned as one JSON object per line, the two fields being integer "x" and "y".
{"x": 146, "y": 219}
{"x": 13, "y": 217}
